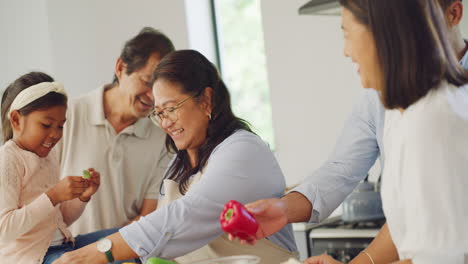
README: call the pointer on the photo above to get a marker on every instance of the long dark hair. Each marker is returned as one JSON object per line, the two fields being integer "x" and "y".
{"x": 49, "y": 100}
{"x": 194, "y": 73}
{"x": 413, "y": 46}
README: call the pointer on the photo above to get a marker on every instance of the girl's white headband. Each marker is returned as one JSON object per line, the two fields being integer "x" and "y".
{"x": 35, "y": 92}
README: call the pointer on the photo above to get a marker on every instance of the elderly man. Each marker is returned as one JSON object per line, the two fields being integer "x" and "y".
{"x": 108, "y": 129}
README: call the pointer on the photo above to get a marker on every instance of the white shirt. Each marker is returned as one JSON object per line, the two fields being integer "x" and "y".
{"x": 425, "y": 179}
{"x": 356, "y": 150}
{"x": 129, "y": 162}
{"x": 242, "y": 168}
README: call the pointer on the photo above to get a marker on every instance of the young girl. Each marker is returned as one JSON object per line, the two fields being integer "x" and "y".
{"x": 35, "y": 206}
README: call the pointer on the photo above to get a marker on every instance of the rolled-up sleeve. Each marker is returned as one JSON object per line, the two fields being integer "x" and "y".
{"x": 175, "y": 229}
{"x": 243, "y": 169}
{"x": 355, "y": 152}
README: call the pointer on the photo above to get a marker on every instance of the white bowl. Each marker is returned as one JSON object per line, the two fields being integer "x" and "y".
{"x": 241, "y": 259}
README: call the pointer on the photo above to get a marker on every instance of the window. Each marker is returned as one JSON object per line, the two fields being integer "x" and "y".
{"x": 243, "y": 64}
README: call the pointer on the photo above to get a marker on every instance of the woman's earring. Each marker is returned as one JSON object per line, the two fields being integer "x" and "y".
{"x": 209, "y": 116}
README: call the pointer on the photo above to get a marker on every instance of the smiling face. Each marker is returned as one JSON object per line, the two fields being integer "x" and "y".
{"x": 360, "y": 47}
{"x": 39, "y": 130}
{"x": 136, "y": 88}
{"x": 189, "y": 127}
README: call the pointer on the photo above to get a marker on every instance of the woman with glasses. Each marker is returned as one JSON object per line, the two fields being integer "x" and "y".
{"x": 217, "y": 159}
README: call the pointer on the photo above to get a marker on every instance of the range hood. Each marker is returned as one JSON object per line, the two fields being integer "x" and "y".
{"x": 321, "y": 7}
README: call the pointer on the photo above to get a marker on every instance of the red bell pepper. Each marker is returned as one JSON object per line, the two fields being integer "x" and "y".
{"x": 237, "y": 221}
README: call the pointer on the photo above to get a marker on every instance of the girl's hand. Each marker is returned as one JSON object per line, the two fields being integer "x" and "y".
{"x": 94, "y": 183}
{"x": 68, "y": 188}
{"x": 322, "y": 259}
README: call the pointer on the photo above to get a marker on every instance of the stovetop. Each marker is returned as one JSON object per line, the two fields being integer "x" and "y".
{"x": 335, "y": 237}
{"x": 341, "y": 229}
{"x": 342, "y": 240}
{"x": 373, "y": 224}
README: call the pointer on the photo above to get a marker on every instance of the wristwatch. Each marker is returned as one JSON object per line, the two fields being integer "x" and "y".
{"x": 104, "y": 245}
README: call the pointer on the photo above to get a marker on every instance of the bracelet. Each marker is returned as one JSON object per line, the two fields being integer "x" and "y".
{"x": 370, "y": 257}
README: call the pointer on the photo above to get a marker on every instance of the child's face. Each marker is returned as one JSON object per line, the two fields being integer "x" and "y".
{"x": 40, "y": 130}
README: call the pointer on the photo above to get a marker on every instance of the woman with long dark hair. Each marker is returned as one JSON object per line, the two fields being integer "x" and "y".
{"x": 217, "y": 159}
{"x": 404, "y": 52}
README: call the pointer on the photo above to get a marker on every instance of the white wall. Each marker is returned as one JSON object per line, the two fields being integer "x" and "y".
{"x": 313, "y": 87}
{"x": 78, "y": 42}
{"x": 25, "y": 43}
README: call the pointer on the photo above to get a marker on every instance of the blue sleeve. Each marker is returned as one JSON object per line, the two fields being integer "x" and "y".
{"x": 242, "y": 168}
{"x": 355, "y": 152}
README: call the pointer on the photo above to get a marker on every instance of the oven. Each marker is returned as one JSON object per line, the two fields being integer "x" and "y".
{"x": 342, "y": 240}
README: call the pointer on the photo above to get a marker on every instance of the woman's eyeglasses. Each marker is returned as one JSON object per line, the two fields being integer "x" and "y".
{"x": 169, "y": 113}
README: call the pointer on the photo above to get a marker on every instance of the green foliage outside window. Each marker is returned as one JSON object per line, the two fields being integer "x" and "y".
{"x": 243, "y": 62}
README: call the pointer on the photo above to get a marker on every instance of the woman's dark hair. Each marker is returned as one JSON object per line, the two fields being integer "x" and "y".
{"x": 49, "y": 100}
{"x": 413, "y": 47}
{"x": 194, "y": 73}
{"x": 136, "y": 52}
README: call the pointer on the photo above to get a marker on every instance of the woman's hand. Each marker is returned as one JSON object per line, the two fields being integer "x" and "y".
{"x": 322, "y": 259}
{"x": 94, "y": 183}
{"x": 66, "y": 189}
{"x": 88, "y": 255}
{"x": 270, "y": 215}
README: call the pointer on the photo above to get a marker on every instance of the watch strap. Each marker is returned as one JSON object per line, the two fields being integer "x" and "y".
{"x": 109, "y": 256}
